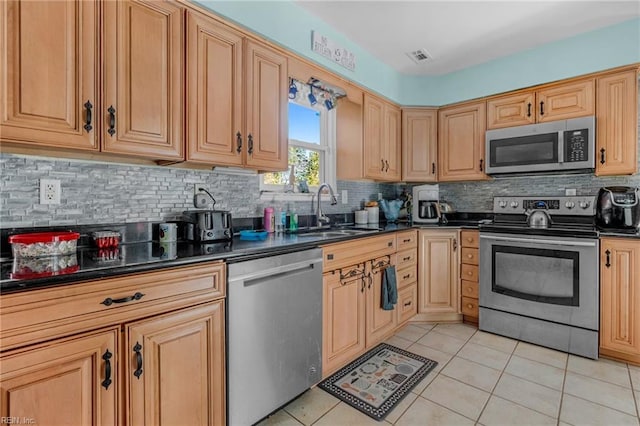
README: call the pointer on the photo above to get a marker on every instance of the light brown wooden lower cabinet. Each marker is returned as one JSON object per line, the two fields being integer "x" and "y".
{"x": 174, "y": 368}
{"x": 353, "y": 320}
{"x": 620, "y": 299}
{"x": 438, "y": 285}
{"x": 158, "y": 359}
{"x": 66, "y": 382}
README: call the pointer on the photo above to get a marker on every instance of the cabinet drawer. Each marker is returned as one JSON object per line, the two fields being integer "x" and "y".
{"x": 407, "y": 305}
{"x": 469, "y": 289}
{"x": 406, "y": 258}
{"x": 406, "y": 239}
{"x": 469, "y": 239}
{"x": 37, "y": 315}
{"x": 406, "y": 276}
{"x": 470, "y": 307}
{"x": 355, "y": 251}
{"x": 469, "y": 272}
{"x": 469, "y": 255}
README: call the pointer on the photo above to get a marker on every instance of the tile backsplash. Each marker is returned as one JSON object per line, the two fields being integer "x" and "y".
{"x": 98, "y": 192}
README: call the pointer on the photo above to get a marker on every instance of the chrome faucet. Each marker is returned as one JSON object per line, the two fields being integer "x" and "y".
{"x": 321, "y": 218}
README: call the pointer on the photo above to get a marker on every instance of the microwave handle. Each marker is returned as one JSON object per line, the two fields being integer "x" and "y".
{"x": 561, "y": 147}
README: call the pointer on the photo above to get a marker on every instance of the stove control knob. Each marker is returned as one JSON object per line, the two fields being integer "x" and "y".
{"x": 502, "y": 204}
{"x": 584, "y": 204}
{"x": 569, "y": 204}
{"x": 514, "y": 204}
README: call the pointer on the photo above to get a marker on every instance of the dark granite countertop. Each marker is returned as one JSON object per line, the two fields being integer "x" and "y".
{"x": 90, "y": 263}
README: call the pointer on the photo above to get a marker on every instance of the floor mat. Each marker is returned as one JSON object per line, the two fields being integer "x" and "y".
{"x": 378, "y": 380}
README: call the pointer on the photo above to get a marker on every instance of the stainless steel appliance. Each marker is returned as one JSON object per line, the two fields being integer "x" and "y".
{"x": 555, "y": 146}
{"x": 207, "y": 225}
{"x": 540, "y": 284}
{"x": 425, "y": 206}
{"x": 618, "y": 209}
{"x": 274, "y": 324}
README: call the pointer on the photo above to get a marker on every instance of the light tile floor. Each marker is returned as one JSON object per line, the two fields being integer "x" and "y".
{"x": 484, "y": 379}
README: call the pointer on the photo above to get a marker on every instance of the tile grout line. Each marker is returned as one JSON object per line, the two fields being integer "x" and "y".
{"x": 564, "y": 380}
{"x": 496, "y": 385}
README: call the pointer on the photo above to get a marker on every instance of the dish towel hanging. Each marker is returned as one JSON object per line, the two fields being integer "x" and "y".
{"x": 389, "y": 288}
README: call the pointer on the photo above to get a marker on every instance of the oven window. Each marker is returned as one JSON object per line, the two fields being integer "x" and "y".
{"x": 540, "y": 275}
{"x": 536, "y": 149}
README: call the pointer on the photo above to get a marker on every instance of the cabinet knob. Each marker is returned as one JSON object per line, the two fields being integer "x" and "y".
{"x": 470, "y": 256}
{"x": 469, "y": 305}
{"x": 469, "y": 273}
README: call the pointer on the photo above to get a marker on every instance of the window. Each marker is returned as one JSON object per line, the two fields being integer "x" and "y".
{"x": 311, "y": 147}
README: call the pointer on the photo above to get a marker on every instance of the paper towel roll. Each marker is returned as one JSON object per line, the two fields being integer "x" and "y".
{"x": 373, "y": 214}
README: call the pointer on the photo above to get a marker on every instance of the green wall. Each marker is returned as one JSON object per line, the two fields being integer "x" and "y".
{"x": 287, "y": 24}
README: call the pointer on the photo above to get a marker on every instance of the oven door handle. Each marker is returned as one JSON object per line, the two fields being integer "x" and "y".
{"x": 561, "y": 147}
{"x": 538, "y": 241}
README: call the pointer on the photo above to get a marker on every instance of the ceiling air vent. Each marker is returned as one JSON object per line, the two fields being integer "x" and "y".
{"x": 419, "y": 56}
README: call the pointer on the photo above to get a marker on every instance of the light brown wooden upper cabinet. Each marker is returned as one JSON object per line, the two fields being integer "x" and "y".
{"x": 143, "y": 106}
{"x": 461, "y": 131}
{"x": 49, "y": 73}
{"x": 382, "y": 143}
{"x": 617, "y": 123}
{"x": 419, "y": 144}
{"x": 267, "y": 106}
{"x": 236, "y": 98}
{"x": 620, "y": 298}
{"x": 548, "y": 103}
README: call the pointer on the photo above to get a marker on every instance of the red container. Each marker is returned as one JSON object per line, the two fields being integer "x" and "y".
{"x": 41, "y": 244}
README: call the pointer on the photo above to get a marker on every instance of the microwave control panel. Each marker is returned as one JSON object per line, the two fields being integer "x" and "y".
{"x": 576, "y": 145}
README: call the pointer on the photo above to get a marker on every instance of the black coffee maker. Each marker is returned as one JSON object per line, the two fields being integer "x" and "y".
{"x": 618, "y": 209}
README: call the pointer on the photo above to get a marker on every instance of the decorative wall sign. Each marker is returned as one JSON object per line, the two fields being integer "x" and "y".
{"x": 327, "y": 48}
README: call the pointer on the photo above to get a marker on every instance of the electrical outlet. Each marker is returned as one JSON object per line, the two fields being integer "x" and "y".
{"x": 344, "y": 197}
{"x": 569, "y": 192}
{"x": 379, "y": 195}
{"x": 49, "y": 191}
{"x": 196, "y": 188}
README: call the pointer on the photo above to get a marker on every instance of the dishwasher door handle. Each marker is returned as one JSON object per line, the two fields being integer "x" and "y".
{"x": 287, "y": 269}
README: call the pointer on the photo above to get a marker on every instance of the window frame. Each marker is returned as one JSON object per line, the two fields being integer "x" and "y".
{"x": 326, "y": 147}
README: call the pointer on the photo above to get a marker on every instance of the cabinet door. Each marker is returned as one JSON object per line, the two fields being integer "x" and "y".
{"x": 438, "y": 278}
{"x": 267, "y": 108}
{"x": 419, "y": 145}
{"x": 392, "y": 143}
{"x": 461, "y": 142}
{"x": 620, "y": 298}
{"x": 617, "y": 118}
{"x": 143, "y": 79}
{"x": 511, "y": 110}
{"x": 380, "y": 323}
{"x": 174, "y": 368}
{"x": 214, "y": 92}
{"x": 343, "y": 318}
{"x": 374, "y": 165}
{"x": 49, "y": 73}
{"x": 64, "y": 382}
{"x": 566, "y": 101}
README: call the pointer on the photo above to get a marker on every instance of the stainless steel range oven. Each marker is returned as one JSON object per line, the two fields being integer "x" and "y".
{"x": 540, "y": 284}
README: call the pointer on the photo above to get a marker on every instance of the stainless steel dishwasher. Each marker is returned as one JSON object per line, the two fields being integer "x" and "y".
{"x": 274, "y": 339}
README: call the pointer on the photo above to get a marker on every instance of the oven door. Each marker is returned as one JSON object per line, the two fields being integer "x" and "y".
{"x": 541, "y": 277}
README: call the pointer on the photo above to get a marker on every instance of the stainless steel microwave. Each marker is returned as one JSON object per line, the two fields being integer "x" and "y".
{"x": 552, "y": 147}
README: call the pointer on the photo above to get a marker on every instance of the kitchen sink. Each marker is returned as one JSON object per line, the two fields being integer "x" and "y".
{"x": 334, "y": 233}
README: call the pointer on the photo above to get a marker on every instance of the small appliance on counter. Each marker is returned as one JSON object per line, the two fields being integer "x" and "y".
{"x": 207, "y": 225}
{"x": 425, "y": 208}
{"x": 618, "y": 209}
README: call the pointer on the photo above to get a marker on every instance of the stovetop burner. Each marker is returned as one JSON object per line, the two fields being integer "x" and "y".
{"x": 570, "y": 216}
